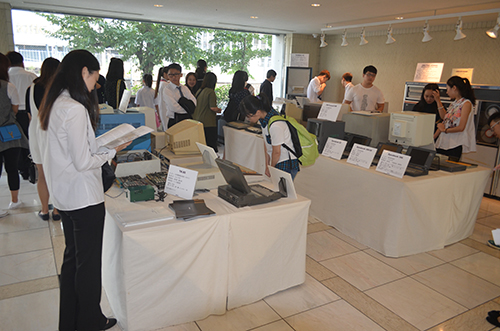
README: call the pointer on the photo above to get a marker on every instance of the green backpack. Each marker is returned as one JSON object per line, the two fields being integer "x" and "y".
{"x": 305, "y": 146}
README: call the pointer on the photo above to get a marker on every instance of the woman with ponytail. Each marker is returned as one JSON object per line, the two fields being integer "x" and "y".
{"x": 257, "y": 108}
{"x": 457, "y": 129}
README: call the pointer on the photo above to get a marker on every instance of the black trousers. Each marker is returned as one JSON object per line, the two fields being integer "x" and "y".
{"x": 211, "y": 137}
{"x": 24, "y": 161}
{"x": 11, "y": 157}
{"x": 81, "y": 282}
{"x": 456, "y": 152}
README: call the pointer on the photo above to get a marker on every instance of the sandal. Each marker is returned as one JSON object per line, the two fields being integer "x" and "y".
{"x": 44, "y": 217}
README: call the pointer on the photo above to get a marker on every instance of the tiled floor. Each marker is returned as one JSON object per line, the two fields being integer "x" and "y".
{"x": 348, "y": 285}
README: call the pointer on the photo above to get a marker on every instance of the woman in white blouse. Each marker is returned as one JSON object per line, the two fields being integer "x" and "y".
{"x": 72, "y": 164}
{"x": 457, "y": 129}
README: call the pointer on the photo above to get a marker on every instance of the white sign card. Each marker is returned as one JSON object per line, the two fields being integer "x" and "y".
{"x": 463, "y": 72}
{"x": 181, "y": 182}
{"x": 334, "y": 148}
{"x": 428, "y": 72}
{"x": 299, "y": 60}
{"x": 362, "y": 155}
{"x": 393, "y": 164}
{"x": 329, "y": 111}
{"x": 276, "y": 175}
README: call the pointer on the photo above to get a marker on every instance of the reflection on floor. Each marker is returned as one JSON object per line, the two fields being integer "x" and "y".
{"x": 348, "y": 285}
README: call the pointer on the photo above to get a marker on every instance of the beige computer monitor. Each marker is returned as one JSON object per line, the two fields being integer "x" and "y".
{"x": 183, "y": 136}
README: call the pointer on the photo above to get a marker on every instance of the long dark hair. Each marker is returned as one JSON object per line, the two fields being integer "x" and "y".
{"x": 209, "y": 81}
{"x": 115, "y": 70}
{"x": 463, "y": 86}
{"x": 49, "y": 68}
{"x": 250, "y": 104}
{"x": 239, "y": 79}
{"x": 69, "y": 77}
{"x": 4, "y": 67}
{"x": 201, "y": 65}
{"x": 158, "y": 80}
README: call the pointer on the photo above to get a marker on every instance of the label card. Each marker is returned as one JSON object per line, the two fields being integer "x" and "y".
{"x": 181, "y": 182}
{"x": 334, "y": 148}
{"x": 362, "y": 155}
{"x": 393, "y": 164}
{"x": 329, "y": 111}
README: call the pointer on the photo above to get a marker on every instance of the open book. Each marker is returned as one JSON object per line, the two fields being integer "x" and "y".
{"x": 121, "y": 134}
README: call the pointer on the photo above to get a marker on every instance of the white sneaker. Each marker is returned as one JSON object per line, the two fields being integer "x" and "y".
{"x": 3, "y": 213}
{"x": 14, "y": 205}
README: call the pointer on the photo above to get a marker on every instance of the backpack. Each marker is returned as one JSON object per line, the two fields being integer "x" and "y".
{"x": 304, "y": 142}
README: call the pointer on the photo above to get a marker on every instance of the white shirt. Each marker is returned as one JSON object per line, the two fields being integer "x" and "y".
{"x": 348, "y": 86}
{"x": 162, "y": 111}
{"x": 145, "y": 97}
{"x": 313, "y": 89}
{"x": 12, "y": 94}
{"x": 279, "y": 134}
{"x": 22, "y": 79}
{"x": 170, "y": 97}
{"x": 71, "y": 158}
{"x": 364, "y": 98}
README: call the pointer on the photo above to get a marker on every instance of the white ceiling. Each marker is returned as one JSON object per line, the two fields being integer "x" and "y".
{"x": 278, "y": 16}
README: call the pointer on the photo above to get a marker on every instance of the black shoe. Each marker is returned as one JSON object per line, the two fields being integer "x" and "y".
{"x": 109, "y": 323}
{"x": 493, "y": 321}
{"x": 44, "y": 217}
{"x": 56, "y": 217}
{"x": 494, "y": 313}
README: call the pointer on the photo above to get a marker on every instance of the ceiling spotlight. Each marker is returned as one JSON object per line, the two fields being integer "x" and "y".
{"x": 458, "y": 29}
{"x": 323, "y": 42}
{"x": 362, "y": 36}
{"x": 427, "y": 36}
{"x": 493, "y": 33}
{"x": 390, "y": 38}
{"x": 344, "y": 38}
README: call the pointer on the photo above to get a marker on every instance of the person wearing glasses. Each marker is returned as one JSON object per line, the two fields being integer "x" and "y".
{"x": 172, "y": 93}
{"x": 366, "y": 96}
{"x": 458, "y": 134}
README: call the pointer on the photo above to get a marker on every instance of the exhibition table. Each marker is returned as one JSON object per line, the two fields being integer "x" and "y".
{"x": 172, "y": 272}
{"x": 245, "y": 148}
{"x": 396, "y": 217}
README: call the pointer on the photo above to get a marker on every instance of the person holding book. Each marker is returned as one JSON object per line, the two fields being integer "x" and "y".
{"x": 72, "y": 161}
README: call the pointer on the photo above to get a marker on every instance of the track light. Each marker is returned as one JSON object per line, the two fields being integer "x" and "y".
{"x": 362, "y": 36}
{"x": 458, "y": 29}
{"x": 427, "y": 36}
{"x": 390, "y": 38}
{"x": 493, "y": 33}
{"x": 344, "y": 38}
{"x": 323, "y": 42}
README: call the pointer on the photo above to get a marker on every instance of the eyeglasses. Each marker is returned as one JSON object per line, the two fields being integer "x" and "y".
{"x": 491, "y": 127}
{"x": 250, "y": 115}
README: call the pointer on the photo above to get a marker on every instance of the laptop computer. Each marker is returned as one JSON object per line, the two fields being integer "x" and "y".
{"x": 381, "y": 147}
{"x": 420, "y": 162}
{"x": 238, "y": 192}
{"x": 352, "y": 139}
{"x": 238, "y": 125}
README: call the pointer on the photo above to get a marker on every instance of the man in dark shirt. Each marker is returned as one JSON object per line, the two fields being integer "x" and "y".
{"x": 267, "y": 86}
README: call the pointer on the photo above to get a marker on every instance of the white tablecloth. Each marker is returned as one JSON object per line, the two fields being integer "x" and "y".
{"x": 245, "y": 148}
{"x": 175, "y": 272}
{"x": 396, "y": 217}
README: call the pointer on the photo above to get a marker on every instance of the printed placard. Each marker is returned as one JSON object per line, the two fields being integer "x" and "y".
{"x": 362, "y": 155}
{"x": 334, "y": 148}
{"x": 181, "y": 182}
{"x": 393, "y": 164}
{"x": 329, "y": 111}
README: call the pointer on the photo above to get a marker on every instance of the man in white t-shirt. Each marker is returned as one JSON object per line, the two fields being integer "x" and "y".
{"x": 346, "y": 82}
{"x": 366, "y": 96}
{"x": 317, "y": 86}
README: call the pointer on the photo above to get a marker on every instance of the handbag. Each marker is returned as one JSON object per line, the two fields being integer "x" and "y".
{"x": 32, "y": 171}
{"x": 9, "y": 132}
{"x": 108, "y": 176}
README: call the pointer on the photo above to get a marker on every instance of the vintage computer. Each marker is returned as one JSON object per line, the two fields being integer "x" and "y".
{"x": 323, "y": 129}
{"x": 411, "y": 128}
{"x": 183, "y": 136}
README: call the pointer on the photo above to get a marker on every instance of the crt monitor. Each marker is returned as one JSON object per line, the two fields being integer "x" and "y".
{"x": 183, "y": 136}
{"x": 411, "y": 128}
